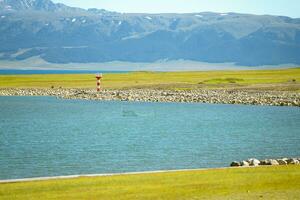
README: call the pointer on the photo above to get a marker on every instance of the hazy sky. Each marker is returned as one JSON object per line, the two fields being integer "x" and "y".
{"x": 275, "y": 7}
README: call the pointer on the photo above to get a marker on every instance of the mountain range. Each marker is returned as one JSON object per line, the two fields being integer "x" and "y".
{"x": 58, "y": 33}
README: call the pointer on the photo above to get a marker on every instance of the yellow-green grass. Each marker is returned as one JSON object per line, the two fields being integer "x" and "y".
{"x": 278, "y": 182}
{"x": 169, "y": 80}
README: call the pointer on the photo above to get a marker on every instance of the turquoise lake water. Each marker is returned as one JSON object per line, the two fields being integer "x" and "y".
{"x": 45, "y": 136}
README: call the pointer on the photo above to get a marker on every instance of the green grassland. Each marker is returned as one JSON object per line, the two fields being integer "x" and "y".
{"x": 276, "y": 182}
{"x": 275, "y": 79}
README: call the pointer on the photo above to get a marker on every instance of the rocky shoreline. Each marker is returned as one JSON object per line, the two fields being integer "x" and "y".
{"x": 247, "y": 97}
{"x": 255, "y": 162}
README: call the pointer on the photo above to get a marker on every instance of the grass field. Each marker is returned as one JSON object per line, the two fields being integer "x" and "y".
{"x": 279, "y": 182}
{"x": 285, "y": 78}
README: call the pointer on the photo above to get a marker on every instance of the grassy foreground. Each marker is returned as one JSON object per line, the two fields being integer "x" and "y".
{"x": 279, "y": 182}
{"x": 286, "y": 78}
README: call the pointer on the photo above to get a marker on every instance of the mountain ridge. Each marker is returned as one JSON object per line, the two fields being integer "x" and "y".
{"x": 40, "y": 5}
{"x": 61, "y": 34}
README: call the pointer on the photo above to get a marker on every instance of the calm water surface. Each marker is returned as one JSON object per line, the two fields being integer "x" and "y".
{"x": 45, "y": 136}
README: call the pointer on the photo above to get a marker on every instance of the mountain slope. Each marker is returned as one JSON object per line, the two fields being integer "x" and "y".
{"x": 30, "y": 5}
{"x": 61, "y": 34}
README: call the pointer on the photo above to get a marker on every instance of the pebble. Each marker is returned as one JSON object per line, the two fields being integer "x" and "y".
{"x": 248, "y": 97}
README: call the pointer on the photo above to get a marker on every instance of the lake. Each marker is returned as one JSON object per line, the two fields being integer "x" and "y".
{"x": 45, "y": 136}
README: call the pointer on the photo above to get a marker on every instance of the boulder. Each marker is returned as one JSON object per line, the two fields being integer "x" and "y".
{"x": 253, "y": 162}
{"x": 293, "y": 161}
{"x": 263, "y": 162}
{"x": 235, "y": 164}
{"x": 296, "y": 162}
{"x": 282, "y": 162}
{"x": 273, "y": 162}
{"x": 244, "y": 163}
{"x": 269, "y": 162}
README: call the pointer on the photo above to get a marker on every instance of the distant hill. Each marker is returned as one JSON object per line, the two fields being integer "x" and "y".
{"x": 61, "y": 34}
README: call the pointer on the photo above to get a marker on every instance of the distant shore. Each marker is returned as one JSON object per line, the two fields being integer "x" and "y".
{"x": 247, "y": 97}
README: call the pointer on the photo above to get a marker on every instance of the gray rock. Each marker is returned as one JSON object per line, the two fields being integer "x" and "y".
{"x": 282, "y": 162}
{"x": 296, "y": 162}
{"x": 285, "y": 159}
{"x": 293, "y": 161}
{"x": 244, "y": 163}
{"x": 263, "y": 162}
{"x": 273, "y": 162}
{"x": 269, "y": 162}
{"x": 253, "y": 162}
{"x": 235, "y": 164}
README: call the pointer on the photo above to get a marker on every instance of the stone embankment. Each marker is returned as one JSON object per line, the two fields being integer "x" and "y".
{"x": 249, "y": 97}
{"x": 255, "y": 162}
